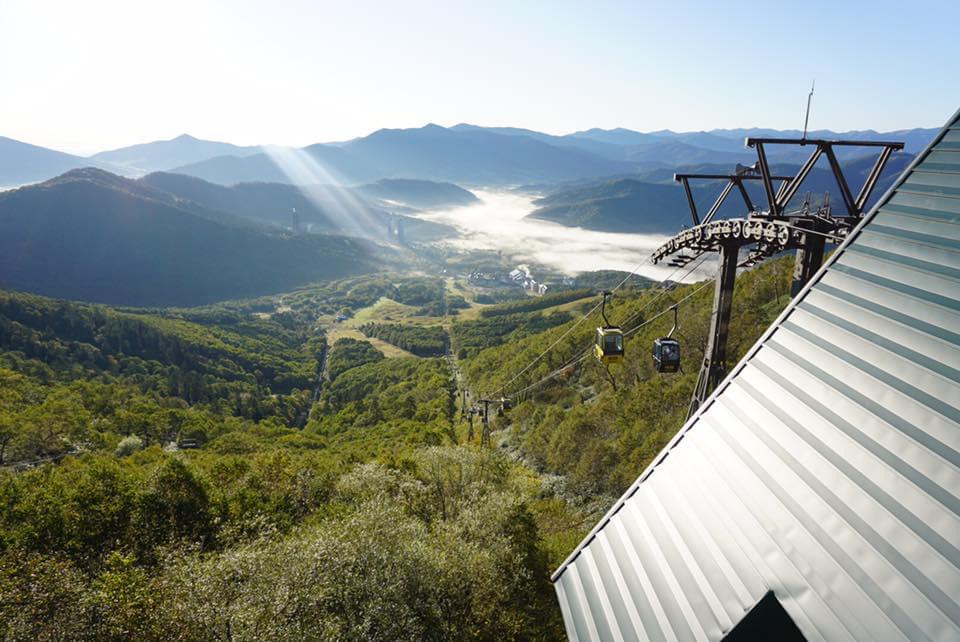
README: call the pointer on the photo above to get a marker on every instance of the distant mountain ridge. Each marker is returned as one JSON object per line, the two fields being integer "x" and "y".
{"x": 22, "y": 163}
{"x": 508, "y": 156}
{"x": 732, "y": 139}
{"x": 470, "y": 157}
{"x": 653, "y": 203}
{"x": 164, "y": 154}
{"x": 464, "y": 154}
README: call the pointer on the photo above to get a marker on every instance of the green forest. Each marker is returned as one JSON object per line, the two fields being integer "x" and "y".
{"x": 423, "y": 341}
{"x": 222, "y": 473}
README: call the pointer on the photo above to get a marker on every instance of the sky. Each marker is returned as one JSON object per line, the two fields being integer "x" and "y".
{"x": 84, "y": 76}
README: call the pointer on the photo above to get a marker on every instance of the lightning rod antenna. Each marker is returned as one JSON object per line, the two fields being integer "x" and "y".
{"x": 806, "y": 118}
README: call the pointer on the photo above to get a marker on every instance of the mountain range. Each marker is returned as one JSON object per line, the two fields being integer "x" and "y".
{"x": 652, "y": 202}
{"x": 164, "y": 154}
{"x": 464, "y": 154}
{"x": 470, "y": 157}
{"x": 94, "y": 236}
{"x": 22, "y": 163}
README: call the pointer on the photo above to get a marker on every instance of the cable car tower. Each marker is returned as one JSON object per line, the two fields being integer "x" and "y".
{"x": 767, "y": 229}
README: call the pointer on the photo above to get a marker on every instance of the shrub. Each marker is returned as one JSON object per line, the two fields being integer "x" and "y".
{"x": 128, "y": 445}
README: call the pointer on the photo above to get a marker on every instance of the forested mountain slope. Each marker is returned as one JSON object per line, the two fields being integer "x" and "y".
{"x": 380, "y": 519}
{"x": 598, "y": 430}
{"x": 319, "y": 208}
{"x": 94, "y": 236}
{"x": 372, "y": 522}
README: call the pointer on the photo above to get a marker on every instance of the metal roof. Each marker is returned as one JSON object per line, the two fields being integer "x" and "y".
{"x": 825, "y": 468}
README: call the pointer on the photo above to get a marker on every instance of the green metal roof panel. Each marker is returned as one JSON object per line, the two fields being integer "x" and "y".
{"x": 825, "y": 468}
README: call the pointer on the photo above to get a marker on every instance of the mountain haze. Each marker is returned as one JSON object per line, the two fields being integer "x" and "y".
{"x": 464, "y": 154}
{"x": 166, "y": 154}
{"x": 88, "y": 235}
{"x": 22, "y": 163}
{"x": 469, "y": 157}
{"x": 653, "y": 203}
{"x": 324, "y": 208}
{"x": 507, "y": 156}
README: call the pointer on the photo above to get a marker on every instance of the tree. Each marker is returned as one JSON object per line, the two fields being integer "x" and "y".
{"x": 128, "y": 445}
{"x": 56, "y": 425}
{"x": 174, "y": 506}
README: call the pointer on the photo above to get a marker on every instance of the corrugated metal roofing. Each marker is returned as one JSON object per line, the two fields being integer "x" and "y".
{"x": 825, "y": 468}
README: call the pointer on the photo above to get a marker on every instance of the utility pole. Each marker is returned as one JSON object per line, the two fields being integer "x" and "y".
{"x": 485, "y": 435}
{"x": 473, "y": 413}
{"x": 297, "y": 224}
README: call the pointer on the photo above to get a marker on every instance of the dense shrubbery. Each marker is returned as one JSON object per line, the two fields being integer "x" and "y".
{"x": 96, "y": 338}
{"x": 262, "y": 531}
{"x": 349, "y": 353}
{"x": 370, "y": 523}
{"x": 501, "y": 295}
{"x": 383, "y": 406}
{"x": 423, "y": 341}
{"x": 268, "y": 547}
{"x": 456, "y": 302}
{"x": 469, "y": 337}
{"x": 421, "y": 291}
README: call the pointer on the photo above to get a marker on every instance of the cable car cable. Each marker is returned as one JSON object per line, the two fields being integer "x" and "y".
{"x": 583, "y": 354}
{"x": 572, "y": 328}
{"x": 536, "y": 360}
{"x": 827, "y": 235}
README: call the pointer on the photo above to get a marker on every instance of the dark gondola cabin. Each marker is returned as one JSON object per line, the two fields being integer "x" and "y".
{"x": 666, "y": 355}
{"x": 609, "y": 345}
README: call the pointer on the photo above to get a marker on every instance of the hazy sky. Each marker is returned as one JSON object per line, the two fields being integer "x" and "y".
{"x": 87, "y": 75}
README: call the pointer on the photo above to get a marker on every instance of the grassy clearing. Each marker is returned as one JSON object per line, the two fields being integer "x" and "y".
{"x": 473, "y": 312}
{"x": 572, "y": 306}
{"x": 343, "y": 331}
{"x": 383, "y": 310}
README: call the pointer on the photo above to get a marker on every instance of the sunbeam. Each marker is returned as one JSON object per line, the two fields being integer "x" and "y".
{"x": 349, "y": 214}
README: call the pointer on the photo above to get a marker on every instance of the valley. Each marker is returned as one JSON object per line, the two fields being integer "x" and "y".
{"x": 479, "y": 322}
{"x": 182, "y": 459}
{"x": 344, "y": 391}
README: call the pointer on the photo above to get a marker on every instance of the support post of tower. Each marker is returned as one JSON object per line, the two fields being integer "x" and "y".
{"x": 714, "y": 366}
{"x": 809, "y": 256}
{"x": 485, "y": 435}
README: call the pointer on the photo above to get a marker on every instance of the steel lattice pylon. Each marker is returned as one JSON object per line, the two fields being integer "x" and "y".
{"x": 763, "y": 233}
